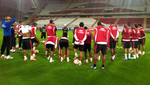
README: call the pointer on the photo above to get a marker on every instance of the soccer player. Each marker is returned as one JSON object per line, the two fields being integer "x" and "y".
{"x": 19, "y": 34}
{"x": 87, "y": 45}
{"x": 101, "y": 35}
{"x": 135, "y": 37}
{"x": 76, "y": 26}
{"x": 6, "y": 25}
{"x": 142, "y": 39}
{"x": 65, "y": 31}
{"x": 33, "y": 36}
{"x": 80, "y": 37}
{"x": 13, "y": 37}
{"x": 126, "y": 34}
{"x": 50, "y": 29}
{"x": 51, "y": 43}
{"x": 43, "y": 33}
{"x": 114, "y": 34}
{"x": 64, "y": 42}
{"x": 27, "y": 43}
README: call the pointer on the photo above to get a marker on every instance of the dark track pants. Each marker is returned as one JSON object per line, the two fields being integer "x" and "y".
{"x": 6, "y": 44}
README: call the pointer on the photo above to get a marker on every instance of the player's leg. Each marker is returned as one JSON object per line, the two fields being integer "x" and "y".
{"x": 44, "y": 36}
{"x": 103, "y": 49}
{"x": 75, "y": 51}
{"x": 24, "y": 53}
{"x": 37, "y": 43}
{"x": 85, "y": 53}
{"x": 129, "y": 54}
{"x": 8, "y": 41}
{"x": 52, "y": 53}
{"x": 68, "y": 60}
{"x": 143, "y": 46}
{"x": 90, "y": 53}
{"x": 30, "y": 46}
{"x": 3, "y": 47}
{"x": 20, "y": 41}
{"x": 81, "y": 49}
{"x": 61, "y": 55}
{"x": 96, "y": 50}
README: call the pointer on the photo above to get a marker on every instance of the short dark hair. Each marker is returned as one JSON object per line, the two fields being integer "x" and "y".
{"x": 51, "y": 21}
{"x": 85, "y": 28}
{"x": 136, "y": 25}
{"x": 128, "y": 23}
{"x": 140, "y": 25}
{"x": 34, "y": 24}
{"x": 44, "y": 25}
{"x": 99, "y": 23}
{"x": 125, "y": 26}
{"x": 111, "y": 22}
{"x": 20, "y": 22}
{"x": 81, "y": 24}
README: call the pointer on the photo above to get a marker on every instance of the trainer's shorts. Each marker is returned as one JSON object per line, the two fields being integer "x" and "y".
{"x": 50, "y": 46}
{"x": 27, "y": 44}
{"x": 87, "y": 47}
{"x": 102, "y": 48}
{"x": 112, "y": 43}
{"x": 81, "y": 47}
{"x": 43, "y": 34}
{"x": 63, "y": 43}
{"x": 126, "y": 44}
{"x": 135, "y": 44}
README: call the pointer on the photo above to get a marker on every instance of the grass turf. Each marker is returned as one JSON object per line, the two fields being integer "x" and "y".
{"x": 41, "y": 72}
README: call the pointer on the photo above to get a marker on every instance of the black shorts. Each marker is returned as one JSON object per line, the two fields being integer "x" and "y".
{"x": 135, "y": 44}
{"x": 63, "y": 43}
{"x": 126, "y": 44}
{"x": 112, "y": 43}
{"x": 43, "y": 34}
{"x": 142, "y": 41}
{"x": 13, "y": 41}
{"x": 101, "y": 48}
{"x": 27, "y": 44}
{"x": 87, "y": 47}
{"x": 81, "y": 47}
{"x": 50, "y": 46}
{"x": 35, "y": 40}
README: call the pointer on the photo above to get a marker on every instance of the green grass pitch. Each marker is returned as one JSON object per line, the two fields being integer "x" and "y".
{"x": 41, "y": 72}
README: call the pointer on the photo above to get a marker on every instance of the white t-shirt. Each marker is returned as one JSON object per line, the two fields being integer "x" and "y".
{"x": 25, "y": 29}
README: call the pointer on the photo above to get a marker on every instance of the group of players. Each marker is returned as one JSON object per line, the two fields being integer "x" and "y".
{"x": 103, "y": 38}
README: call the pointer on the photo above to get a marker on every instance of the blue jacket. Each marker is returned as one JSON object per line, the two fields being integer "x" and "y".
{"x": 7, "y": 27}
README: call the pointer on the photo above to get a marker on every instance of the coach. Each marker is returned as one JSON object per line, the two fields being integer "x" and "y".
{"x": 6, "y": 25}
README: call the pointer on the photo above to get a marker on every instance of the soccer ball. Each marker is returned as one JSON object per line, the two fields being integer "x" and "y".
{"x": 76, "y": 61}
{"x": 36, "y": 51}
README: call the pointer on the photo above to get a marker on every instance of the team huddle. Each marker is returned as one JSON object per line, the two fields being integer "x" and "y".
{"x": 103, "y": 38}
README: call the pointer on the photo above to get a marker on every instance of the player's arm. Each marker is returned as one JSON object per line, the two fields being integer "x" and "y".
{"x": 75, "y": 36}
{"x": 12, "y": 21}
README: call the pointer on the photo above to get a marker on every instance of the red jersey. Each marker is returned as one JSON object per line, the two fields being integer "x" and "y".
{"x": 89, "y": 37}
{"x": 135, "y": 34}
{"x": 33, "y": 29}
{"x": 142, "y": 33}
{"x": 16, "y": 31}
{"x": 18, "y": 28}
{"x": 52, "y": 40}
{"x": 80, "y": 35}
{"x": 50, "y": 30}
{"x": 114, "y": 32}
{"x": 101, "y": 35}
{"x": 126, "y": 34}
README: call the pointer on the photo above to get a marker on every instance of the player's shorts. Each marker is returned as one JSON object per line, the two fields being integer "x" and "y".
{"x": 102, "y": 48}
{"x": 27, "y": 44}
{"x": 35, "y": 40}
{"x": 43, "y": 34}
{"x": 13, "y": 41}
{"x": 126, "y": 44}
{"x": 50, "y": 46}
{"x": 112, "y": 43}
{"x": 135, "y": 44}
{"x": 142, "y": 41}
{"x": 63, "y": 43}
{"x": 87, "y": 47}
{"x": 81, "y": 47}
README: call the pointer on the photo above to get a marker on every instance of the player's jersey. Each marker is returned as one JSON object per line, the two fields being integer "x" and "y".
{"x": 65, "y": 32}
{"x": 33, "y": 29}
{"x": 101, "y": 35}
{"x": 50, "y": 30}
{"x": 142, "y": 33}
{"x": 80, "y": 35}
{"x": 25, "y": 29}
{"x": 114, "y": 32}
{"x": 126, "y": 34}
{"x": 135, "y": 34}
{"x": 52, "y": 40}
{"x": 18, "y": 28}
{"x": 89, "y": 37}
